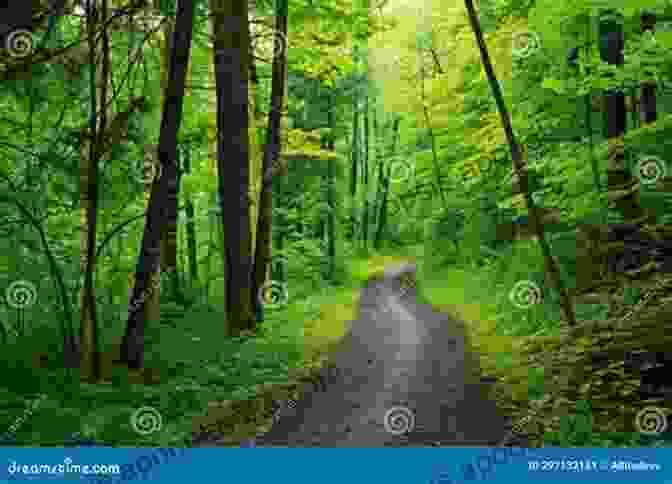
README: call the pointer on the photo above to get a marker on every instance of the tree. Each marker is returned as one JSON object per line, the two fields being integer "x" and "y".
{"x": 132, "y": 347}
{"x": 262, "y": 255}
{"x": 519, "y": 166}
{"x": 231, "y": 60}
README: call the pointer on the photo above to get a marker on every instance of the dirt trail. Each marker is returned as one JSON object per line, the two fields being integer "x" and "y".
{"x": 402, "y": 366}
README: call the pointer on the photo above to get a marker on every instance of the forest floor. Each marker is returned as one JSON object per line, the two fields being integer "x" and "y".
{"x": 341, "y": 400}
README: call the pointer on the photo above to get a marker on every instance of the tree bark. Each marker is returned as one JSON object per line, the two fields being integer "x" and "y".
{"x": 132, "y": 348}
{"x": 231, "y": 60}
{"x": 191, "y": 225}
{"x": 382, "y": 217}
{"x": 272, "y": 148}
{"x": 90, "y": 358}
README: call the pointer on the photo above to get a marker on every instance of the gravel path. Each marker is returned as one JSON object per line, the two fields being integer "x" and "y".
{"x": 400, "y": 379}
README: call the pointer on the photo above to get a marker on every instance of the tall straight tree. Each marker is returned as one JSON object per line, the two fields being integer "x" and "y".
{"x": 169, "y": 237}
{"x": 91, "y": 146}
{"x": 231, "y": 32}
{"x": 519, "y": 164}
{"x": 262, "y": 255}
{"x": 132, "y": 347}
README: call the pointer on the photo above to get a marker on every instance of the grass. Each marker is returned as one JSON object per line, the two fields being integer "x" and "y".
{"x": 206, "y": 380}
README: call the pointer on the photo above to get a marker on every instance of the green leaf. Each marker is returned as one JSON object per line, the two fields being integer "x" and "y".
{"x": 553, "y": 84}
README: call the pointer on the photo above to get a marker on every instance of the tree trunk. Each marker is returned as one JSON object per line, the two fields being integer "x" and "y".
{"x": 191, "y": 225}
{"x": 382, "y": 217}
{"x": 519, "y": 166}
{"x": 132, "y": 348}
{"x": 647, "y": 110}
{"x": 231, "y": 39}
{"x": 331, "y": 193}
{"x": 430, "y": 131}
{"x": 365, "y": 173}
{"x": 355, "y": 162}
{"x": 623, "y": 187}
{"x": 262, "y": 256}
{"x": 90, "y": 358}
{"x": 169, "y": 237}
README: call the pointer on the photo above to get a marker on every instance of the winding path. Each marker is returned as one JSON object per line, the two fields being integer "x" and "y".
{"x": 402, "y": 366}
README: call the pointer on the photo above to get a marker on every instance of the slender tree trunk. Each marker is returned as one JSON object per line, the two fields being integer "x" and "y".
{"x": 272, "y": 150}
{"x": 90, "y": 361}
{"x": 169, "y": 238}
{"x": 647, "y": 111}
{"x": 331, "y": 192}
{"x": 191, "y": 225}
{"x": 231, "y": 39}
{"x": 132, "y": 348}
{"x": 382, "y": 218}
{"x": 428, "y": 123}
{"x": 365, "y": 173}
{"x": 354, "y": 178}
{"x": 519, "y": 166}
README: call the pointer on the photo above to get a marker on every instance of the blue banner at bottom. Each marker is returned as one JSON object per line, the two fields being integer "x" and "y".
{"x": 337, "y": 466}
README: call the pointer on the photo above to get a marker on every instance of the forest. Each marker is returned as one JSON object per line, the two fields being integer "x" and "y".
{"x": 208, "y": 206}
